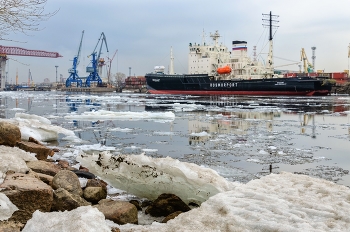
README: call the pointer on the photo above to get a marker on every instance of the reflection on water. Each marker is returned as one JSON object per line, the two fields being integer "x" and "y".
{"x": 241, "y": 137}
{"x": 304, "y": 121}
{"x": 232, "y": 122}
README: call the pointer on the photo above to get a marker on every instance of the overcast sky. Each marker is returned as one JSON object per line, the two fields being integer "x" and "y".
{"x": 143, "y": 32}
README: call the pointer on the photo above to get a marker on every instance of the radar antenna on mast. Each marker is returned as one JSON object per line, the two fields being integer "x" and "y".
{"x": 271, "y": 24}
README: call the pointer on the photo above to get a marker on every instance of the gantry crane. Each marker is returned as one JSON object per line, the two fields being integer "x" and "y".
{"x": 17, "y": 51}
{"x": 308, "y": 68}
{"x": 30, "y": 79}
{"x": 94, "y": 78}
{"x": 73, "y": 77}
{"x": 110, "y": 65}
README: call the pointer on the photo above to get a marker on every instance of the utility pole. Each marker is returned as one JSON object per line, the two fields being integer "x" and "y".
{"x": 56, "y": 74}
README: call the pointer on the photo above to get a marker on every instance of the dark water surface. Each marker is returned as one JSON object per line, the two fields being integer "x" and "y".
{"x": 241, "y": 137}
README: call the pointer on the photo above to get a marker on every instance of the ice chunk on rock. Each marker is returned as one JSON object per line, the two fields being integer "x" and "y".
{"x": 149, "y": 177}
{"x": 38, "y": 127}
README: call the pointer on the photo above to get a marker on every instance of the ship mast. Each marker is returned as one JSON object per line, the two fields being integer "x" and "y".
{"x": 270, "y": 21}
{"x": 203, "y": 38}
{"x": 171, "y": 68}
{"x": 215, "y": 37}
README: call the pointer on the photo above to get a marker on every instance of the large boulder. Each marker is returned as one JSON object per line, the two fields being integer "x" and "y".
{"x": 94, "y": 194}
{"x": 171, "y": 216}
{"x": 41, "y": 151}
{"x": 95, "y": 190}
{"x": 9, "y": 134}
{"x": 64, "y": 200}
{"x": 47, "y": 179}
{"x": 44, "y": 167}
{"x": 120, "y": 212}
{"x": 67, "y": 180}
{"x": 96, "y": 183}
{"x": 28, "y": 194}
{"x": 166, "y": 204}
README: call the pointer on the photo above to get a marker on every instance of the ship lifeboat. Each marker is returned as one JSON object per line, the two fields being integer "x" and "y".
{"x": 224, "y": 70}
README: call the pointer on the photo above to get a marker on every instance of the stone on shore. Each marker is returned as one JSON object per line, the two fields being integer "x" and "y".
{"x": 171, "y": 216}
{"x": 10, "y": 134}
{"x": 47, "y": 179}
{"x": 94, "y": 194}
{"x": 41, "y": 151}
{"x": 96, "y": 183}
{"x": 120, "y": 212}
{"x": 10, "y": 226}
{"x": 67, "y": 180}
{"x": 166, "y": 204}
{"x": 64, "y": 200}
{"x": 44, "y": 167}
{"x": 28, "y": 193}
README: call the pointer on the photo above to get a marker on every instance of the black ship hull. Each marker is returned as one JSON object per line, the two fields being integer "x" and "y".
{"x": 203, "y": 84}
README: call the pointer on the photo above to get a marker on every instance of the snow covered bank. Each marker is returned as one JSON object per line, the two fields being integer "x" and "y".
{"x": 85, "y": 218}
{"x": 277, "y": 202}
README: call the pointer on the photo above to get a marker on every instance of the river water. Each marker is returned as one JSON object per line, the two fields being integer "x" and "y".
{"x": 241, "y": 137}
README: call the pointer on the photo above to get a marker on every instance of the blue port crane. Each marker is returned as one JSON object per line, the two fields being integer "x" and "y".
{"x": 94, "y": 78}
{"x": 73, "y": 77}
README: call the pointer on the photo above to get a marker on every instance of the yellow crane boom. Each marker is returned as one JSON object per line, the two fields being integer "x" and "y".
{"x": 308, "y": 68}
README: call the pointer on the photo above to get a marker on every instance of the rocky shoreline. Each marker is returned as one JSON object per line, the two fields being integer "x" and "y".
{"x": 48, "y": 185}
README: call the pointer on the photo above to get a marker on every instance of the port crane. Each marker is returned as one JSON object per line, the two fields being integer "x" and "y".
{"x": 73, "y": 78}
{"x": 110, "y": 66}
{"x": 18, "y": 51}
{"x": 30, "y": 80}
{"x": 308, "y": 68}
{"x": 94, "y": 77}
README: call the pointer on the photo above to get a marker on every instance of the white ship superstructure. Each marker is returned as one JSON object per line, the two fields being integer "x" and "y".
{"x": 223, "y": 63}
